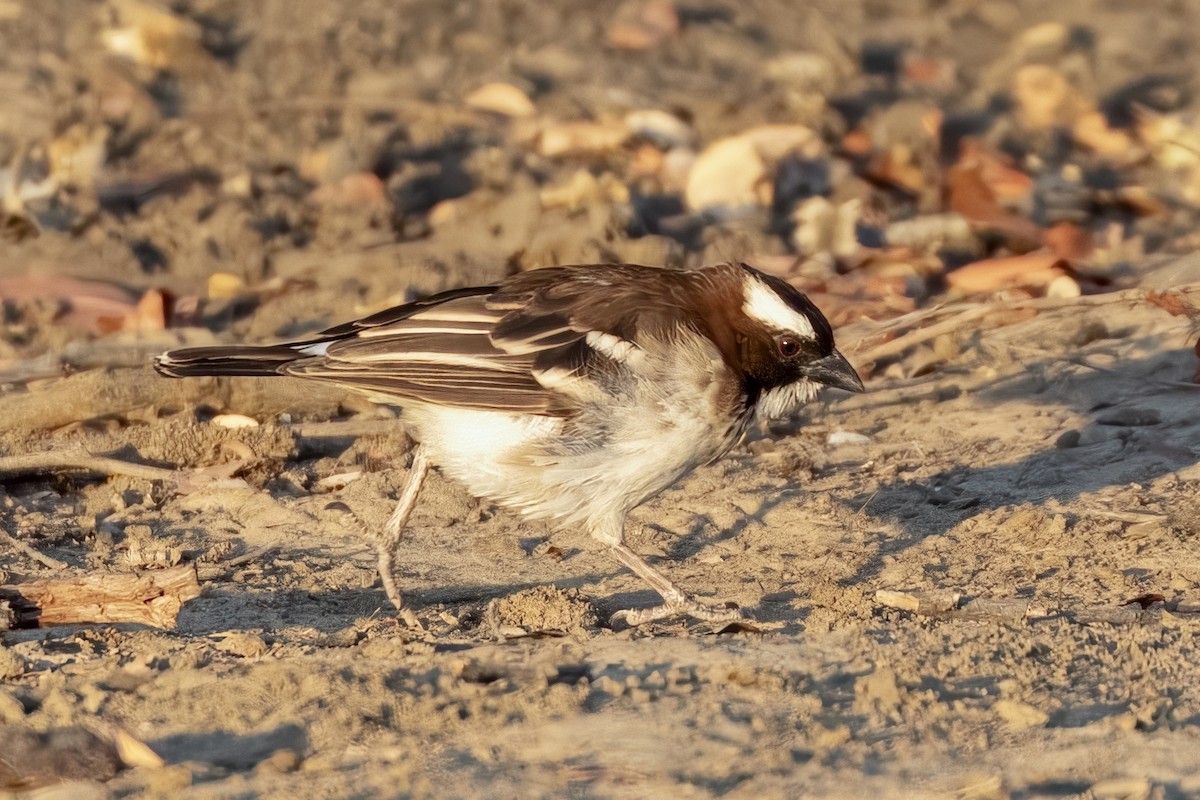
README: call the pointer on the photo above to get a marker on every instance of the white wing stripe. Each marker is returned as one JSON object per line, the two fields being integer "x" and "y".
{"x": 614, "y": 347}
{"x": 405, "y": 330}
{"x": 438, "y": 314}
{"x": 441, "y": 359}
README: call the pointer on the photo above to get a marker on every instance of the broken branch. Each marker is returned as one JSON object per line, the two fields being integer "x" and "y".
{"x": 150, "y": 598}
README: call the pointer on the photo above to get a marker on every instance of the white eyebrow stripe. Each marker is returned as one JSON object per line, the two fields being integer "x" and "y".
{"x": 764, "y": 305}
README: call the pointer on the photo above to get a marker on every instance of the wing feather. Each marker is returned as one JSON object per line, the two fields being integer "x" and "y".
{"x": 533, "y": 345}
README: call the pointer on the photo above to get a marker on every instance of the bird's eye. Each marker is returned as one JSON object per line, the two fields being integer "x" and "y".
{"x": 789, "y": 346}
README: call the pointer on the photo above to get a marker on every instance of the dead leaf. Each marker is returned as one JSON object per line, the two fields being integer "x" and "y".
{"x": 95, "y": 306}
{"x": 1173, "y": 303}
{"x": 856, "y": 142}
{"x": 1035, "y": 270}
{"x": 1093, "y": 132}
{"x": 150, "y": 313}
{"x": 975, "y": 185}
{"x": 1068, "y": 241}
{"x": 898, "y": 167}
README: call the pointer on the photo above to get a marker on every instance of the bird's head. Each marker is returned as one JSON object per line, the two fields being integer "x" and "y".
{"x": 786, "y": 346}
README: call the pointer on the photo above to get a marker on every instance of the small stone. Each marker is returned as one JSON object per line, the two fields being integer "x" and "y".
{"x": 660, "y": 127}
{"x": 729, "y": 177}
{"x": 169, "y": 780}
{"x": 282, "y": 761}
{"x": 11, "y": 709}
{"x": 246, "y": 645}
{"x": 1020, "y": 715}
{"x": 1064, "y": 286}
{"x": 828, "y": 738}
{"x": 12, "y": 665}
{"x": 841, "y": 438}
{"x": 225, "y": 286}
{"x": 501, "y": 98}
{"x": 804, "y": 71}
{"x": 1094, "y": 434}
{"x": 234, "y": 421}
{"x": 1122, "y": 789}
{"x": 1067, "y": 440}
{"x": 877, "y": 691}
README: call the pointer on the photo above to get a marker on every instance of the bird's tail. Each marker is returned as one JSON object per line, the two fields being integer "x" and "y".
{"x": 242, "y": 360}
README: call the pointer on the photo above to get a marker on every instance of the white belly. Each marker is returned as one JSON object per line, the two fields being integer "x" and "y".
{"x": 593, "y": 470}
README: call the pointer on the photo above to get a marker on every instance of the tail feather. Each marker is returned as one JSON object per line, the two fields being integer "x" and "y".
{"x": 237, "y": 360}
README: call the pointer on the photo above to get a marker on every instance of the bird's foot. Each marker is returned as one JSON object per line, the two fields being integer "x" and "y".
{"x": 681, "y": 606}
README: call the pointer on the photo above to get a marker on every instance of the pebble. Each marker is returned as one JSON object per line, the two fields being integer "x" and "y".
{"x": 11, "y": 709}
{"x": 12, "y": 665}
{"x": 1020, "y": 715}
{"x": 1067, "y": 439}
{"x": 501, "y": 98}
{"x": 805, "y": 71}
{"x": 660, "y": 127}
{"x": 1121, "y": 789}
{"x": 840, "y": 438}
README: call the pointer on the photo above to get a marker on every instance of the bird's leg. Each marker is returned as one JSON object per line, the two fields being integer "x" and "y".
{"x": 386, "y": 547}
{"x": 675, "y": 601}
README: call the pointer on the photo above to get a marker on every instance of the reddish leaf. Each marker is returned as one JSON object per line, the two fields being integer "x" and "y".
{"x": 1068, "y": 241}
{"x": 1173, "y": 303}
{"x": 989, "y": 275}
{"x": 1145, "y": 600}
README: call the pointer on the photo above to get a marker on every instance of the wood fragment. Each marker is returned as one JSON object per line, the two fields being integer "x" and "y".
{"x": 56, "y": 460}
{"x": 8, "y": 617}
{"x": 151, "y": 598}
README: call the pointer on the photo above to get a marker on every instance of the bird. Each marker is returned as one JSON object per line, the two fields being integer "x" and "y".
{"x": 571, "y": 394}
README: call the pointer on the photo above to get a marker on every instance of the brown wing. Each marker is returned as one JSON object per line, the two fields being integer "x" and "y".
{"x": 541, "y": 343}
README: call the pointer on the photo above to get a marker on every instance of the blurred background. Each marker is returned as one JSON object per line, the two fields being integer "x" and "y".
{"x": 254, "y": 170}
{"x": 977, "y": 580}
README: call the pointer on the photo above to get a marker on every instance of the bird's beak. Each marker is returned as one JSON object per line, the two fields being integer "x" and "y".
{"x": 834, "y": 370}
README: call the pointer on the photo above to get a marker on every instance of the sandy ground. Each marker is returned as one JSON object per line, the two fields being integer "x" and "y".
{"x": 1051, "y": 461}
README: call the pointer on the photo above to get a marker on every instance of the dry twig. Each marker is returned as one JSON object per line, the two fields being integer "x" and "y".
{"x": 53, "y": 461}
{"x": 41, "y": 558}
